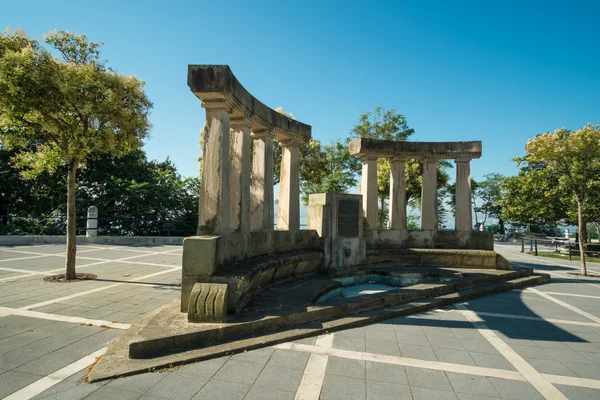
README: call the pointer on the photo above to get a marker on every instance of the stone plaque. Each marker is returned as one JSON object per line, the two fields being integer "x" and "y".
{"x": 348, "y": 218}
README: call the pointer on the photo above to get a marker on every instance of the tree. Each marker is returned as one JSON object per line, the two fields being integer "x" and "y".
{"x": 574, "y": 157}
{"x": 486, "y": 199}
{"x": 60, "y": 111}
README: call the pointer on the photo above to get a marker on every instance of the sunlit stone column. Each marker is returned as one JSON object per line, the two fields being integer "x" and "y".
{"x": 464, "y": 218}
{"x": 397, "y": 193}
{"x": 213, "y": 213}
{"x": 369, "y": 190}
{"x": 239, "y": 174}
{"x": 429, "y": 218}
{"x": 261, "y": 192}
{"x": 288, "y": 213}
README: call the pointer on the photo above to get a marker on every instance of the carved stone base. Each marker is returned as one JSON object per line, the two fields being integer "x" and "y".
{"x": 208, "y": 303}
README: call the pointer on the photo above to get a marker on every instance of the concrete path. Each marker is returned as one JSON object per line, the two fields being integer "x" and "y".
{"x": 537, "y": 343}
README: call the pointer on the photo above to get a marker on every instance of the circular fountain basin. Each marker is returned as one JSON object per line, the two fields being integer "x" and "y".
{"x": 369, "y": 284}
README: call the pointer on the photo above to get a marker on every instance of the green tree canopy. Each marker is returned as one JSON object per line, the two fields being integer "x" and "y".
{"x": 60, "y": 111}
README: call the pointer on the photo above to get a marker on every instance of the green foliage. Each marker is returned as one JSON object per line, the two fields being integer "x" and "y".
{"x": 560, "y": 171}
{"x": 59, "y": 112}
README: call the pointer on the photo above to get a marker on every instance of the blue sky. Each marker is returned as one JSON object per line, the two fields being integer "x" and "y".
{"x": 500, "y": 72}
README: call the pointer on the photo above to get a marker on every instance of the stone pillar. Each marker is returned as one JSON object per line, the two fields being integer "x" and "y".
{"x": 288, "y": 213}
{"x": 369, "y": 190}
{"x": 92, "y": 222}
{"x": 464, "y": 217}
{"x": 261, "y": 192}
{"x": 239, "y": 174}
{"x": 397, "y": 193}
{"x": 429, "y": 217}
{"x": 214, "y": 187}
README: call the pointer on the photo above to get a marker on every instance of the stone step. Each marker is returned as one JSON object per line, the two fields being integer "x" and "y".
{"x": 116, "y": 362}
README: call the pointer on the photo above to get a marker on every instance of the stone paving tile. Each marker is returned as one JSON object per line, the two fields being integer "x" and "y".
{"x": 381, "y": 347}
{"x": 106, "y": 392}
{"x": 204, "y": 368}
{"x": 263, "y": 393}
{"x": 420, "y": 393}
{"x": 386, "y": 373}
{"x": 463, "y": 383}
{"x": 288, "y": 359}
{"x": 222, "y": 390}
{"x": 491, "y": 361}
{"x": 454, "y": 356}
{"x": 138, "y": 383}
{"x": 12, "y": 381}
{"x": 515, "y": 390}
{"x": 259, "y": 356}
{"x": 429, "y": 379}
{"x": 590, "y": 371}
{"x": 66, "y": 390}
{"x": 346, "y": 367}
{"x": 355, "y": 333}
{"x": 419, "y": 352}
{"x": 412, "y": 338}
{"x": 578, "y": 393}
{"x": 377, "y": 390}
{"x": 569, "y": 356}
{"x": 177, "y": 386}
{"x": 470, "y": 396}
{"x": 343, "y": 388}
{"x": 239, "y": 371}
{"x": 278, "y": 378}
{"x": 349, "y": 343}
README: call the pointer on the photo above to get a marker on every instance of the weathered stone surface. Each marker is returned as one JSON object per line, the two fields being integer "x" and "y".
{"x": 210, "y": 82}
{"x": 464, "y": 217}
{"x": 208, "y": 303}
{"x": 429, "y": 201}
{"x": 428, "y": 257}
{"x": 288, "y": 213}
{"x": 433, "y": 239}
{"x": 397, "y": 193}
{"x": 239, "y": 174}
{"x": 368, "y": 189}
{"x": 392, "y": 148}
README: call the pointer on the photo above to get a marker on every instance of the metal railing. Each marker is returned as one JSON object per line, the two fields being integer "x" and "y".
{"x": 548, "y": 245}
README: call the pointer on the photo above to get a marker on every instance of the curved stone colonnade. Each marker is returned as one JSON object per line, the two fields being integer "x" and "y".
{"x": 229, "y": 202}
{"x": 369, "y": 150}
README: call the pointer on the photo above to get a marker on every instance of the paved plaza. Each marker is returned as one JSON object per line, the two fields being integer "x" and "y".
{"x": 541, "y": 342}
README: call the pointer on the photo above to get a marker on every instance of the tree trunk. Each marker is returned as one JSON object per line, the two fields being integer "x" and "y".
{"x": 583, "y": 237}
{"x": 501, "y": 225}
{"x": 381, "y": 213}
{"x": 581, "y": 228}
{"x": 71, "y": 219}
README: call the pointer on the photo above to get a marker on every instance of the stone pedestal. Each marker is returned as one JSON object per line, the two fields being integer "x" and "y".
{"x": 261, "y": 192}
{"x": 239, "y": 174}
{"x": 92, "y": 222}
{"x": 429, "y": 217}
{"x": 288, "y": 213}
{"x": 337, "y": 218}
{"x": 214, "y": 187}
{"x": 464, "y": 217}
{"x": 397, "y": 193}
{"x": 369, "y": 190}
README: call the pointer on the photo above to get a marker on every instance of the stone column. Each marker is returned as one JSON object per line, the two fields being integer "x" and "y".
{"x": 214, "y": 187}
{"x": 464, "y": 217}
{"x": 261, "y": 192}
{"x": 429, "y": 217}
{"x": 369, "y": 190}
{"x": 239, "y": 174}
{"x": 288, "y": 213}
{"x": 397, "y": 193}
{"x": 92, "y": 222}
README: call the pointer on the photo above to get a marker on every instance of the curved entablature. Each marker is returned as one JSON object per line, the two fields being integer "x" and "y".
{"x": 217, "y": 84}
{"x": 439, "y": 150}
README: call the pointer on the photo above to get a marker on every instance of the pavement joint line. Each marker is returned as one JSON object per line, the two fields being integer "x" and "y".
{"x": 28, "y": 271}
{"x": 314, "y": 373}
{"x": 565, "y": 305}
{"x": 55, "y": 378}
{"x": 405, "y": 361}
{"x": 22, "y": 258}
{"x": 554, "y": 263}
{"x": 63, "y": 318}
{"x": 148, "y": 252}
{"x": 525, "y": 317}
{"x": 573, "y": 295}
{"x": 75, "y": 295}
{"x": 536, "y": 379}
